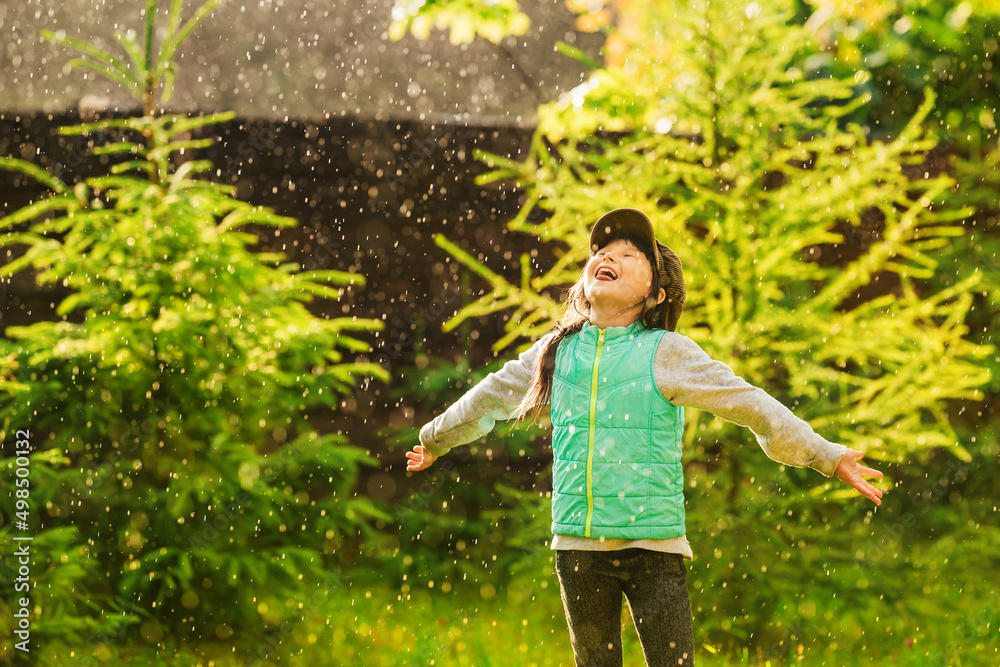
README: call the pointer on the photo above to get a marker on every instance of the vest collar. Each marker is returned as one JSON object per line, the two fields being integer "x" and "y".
{"x": 610, "y": 333}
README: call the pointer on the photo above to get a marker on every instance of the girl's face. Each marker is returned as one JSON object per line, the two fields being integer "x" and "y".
{"x": 617, "y": 277}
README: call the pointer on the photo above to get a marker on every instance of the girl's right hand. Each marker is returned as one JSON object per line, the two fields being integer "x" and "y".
{"x": 419, "y": 459}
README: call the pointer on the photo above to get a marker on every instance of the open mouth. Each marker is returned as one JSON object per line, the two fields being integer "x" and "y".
{"x": 606, "y": 273}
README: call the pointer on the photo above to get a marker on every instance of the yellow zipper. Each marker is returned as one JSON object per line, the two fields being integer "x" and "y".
{"x": 593, "y": 422}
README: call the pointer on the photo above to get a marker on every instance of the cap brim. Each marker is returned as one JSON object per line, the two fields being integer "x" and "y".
{"x": 622, "y": 222}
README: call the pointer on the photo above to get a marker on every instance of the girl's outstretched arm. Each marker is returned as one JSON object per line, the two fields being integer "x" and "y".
{"x": 419, "y": 459}
{"x": 686, "y": 375}
{"x": 852, "y": 473}
{"x": 474, "y": 415}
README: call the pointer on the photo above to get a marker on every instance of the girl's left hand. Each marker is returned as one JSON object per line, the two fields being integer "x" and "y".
{"x": 852, "y": 473}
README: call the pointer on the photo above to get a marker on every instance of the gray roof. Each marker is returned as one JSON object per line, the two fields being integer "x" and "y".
{"x": 298, "y": 59}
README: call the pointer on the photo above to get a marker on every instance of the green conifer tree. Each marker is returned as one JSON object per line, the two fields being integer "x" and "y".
{"x": 808, "y": 250}
{"x": 176, "y": 484}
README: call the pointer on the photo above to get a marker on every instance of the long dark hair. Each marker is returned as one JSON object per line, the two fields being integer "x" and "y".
{"x": 652, "y": 316}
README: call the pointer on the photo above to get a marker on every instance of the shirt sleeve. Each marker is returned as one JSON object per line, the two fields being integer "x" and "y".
{"x": 493, "y": 399}
{"x": 687, "y": 376}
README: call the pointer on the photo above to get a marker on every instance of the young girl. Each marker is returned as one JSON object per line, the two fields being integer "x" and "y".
{"x": 616, "y": 378}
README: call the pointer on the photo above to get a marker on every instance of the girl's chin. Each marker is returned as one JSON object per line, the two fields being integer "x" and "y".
{"x": 609, "y": 301}
{"x": 606, "y": 289}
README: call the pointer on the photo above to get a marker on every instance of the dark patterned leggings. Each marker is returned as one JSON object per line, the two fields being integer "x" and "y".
{"x": 655, "y": 585}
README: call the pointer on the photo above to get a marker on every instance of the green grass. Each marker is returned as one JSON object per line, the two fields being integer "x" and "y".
{"x": 945, "y": 622}
{"x": 522, "y": 626}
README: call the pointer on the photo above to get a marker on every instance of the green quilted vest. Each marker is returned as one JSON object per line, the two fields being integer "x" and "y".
{"x": 616, "y": 441}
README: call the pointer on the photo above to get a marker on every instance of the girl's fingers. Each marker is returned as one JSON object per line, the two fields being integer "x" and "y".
{"x": 868, "y": 491}
{"x": 868, "y": 472}
{"x": 865, "y": 488}
{"x": 873, "y": 493}
{"x": 419, "y": 458}
{"x": 853, "y": 474}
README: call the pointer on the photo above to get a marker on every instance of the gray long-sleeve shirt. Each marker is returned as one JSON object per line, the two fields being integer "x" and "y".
{"x": 685, "y": 375}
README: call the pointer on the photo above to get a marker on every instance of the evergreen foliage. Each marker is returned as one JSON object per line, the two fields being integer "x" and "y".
{"x": 805, "y": 245}
{"x": 464, "y": 19}
{"x": 898, "y": 49}
{"x": 908, "y": 45}
{"x": 813, "y": 255}
{"x": 177, "y": 483}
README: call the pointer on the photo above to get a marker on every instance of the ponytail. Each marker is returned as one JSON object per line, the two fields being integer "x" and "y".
{"x": 540, "y": 390}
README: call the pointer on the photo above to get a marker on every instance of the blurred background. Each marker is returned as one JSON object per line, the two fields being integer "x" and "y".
{"x": 250, "y": 248}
